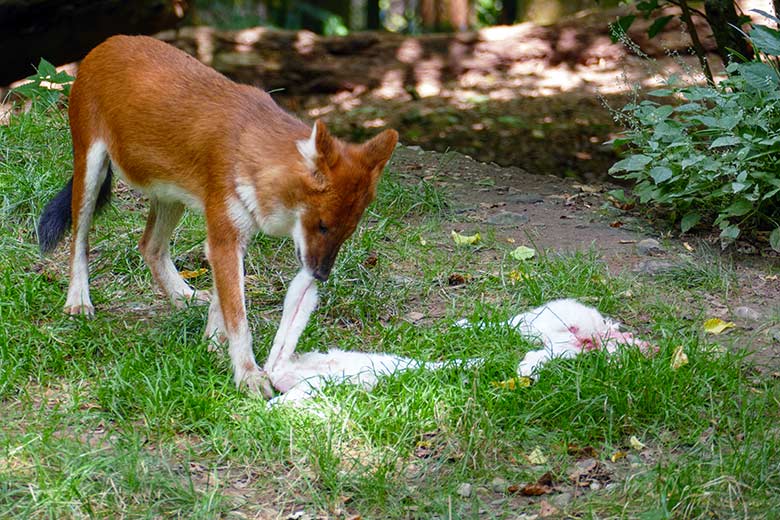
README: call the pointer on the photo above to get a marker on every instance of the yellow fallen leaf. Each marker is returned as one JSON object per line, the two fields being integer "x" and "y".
{"x": 635, "y": 443}
{"x": 679, "y": 358}
{"x": 688, "y": 247}
{"x": 717, "y": 326}
{"x": 617, "y": 456}
{"x": 193, "y": 274}
{"x": 537, "y": 457}
{"x": 517, "y": 276}
{"x": 513, "y": 383}
{"x": 465, "y": 240}
{"x": 523, "y": 253}
{"x": 510, "y": 240}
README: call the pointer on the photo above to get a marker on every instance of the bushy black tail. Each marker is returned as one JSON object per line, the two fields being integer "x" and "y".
{"x": 56, "y": 217}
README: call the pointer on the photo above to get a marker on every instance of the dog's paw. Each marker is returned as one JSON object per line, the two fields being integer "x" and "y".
{"x": 257, "y": 382}
{"x": 182, "y": 300}
{"x": 86, "y": 310}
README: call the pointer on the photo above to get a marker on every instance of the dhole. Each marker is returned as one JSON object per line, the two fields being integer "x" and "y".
{"x": 185, "y": 135}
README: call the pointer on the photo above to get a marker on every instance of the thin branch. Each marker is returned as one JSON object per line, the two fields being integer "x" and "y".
{"x": 697, "y": 46}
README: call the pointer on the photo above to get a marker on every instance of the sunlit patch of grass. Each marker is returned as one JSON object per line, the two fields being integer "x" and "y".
{"x": 130, "y": 415}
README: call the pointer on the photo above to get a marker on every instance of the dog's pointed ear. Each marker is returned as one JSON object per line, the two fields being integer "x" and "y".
{"x": 320, "y": 146}
{"x": 326, "y": 145}
{"x": 378, "y": 150}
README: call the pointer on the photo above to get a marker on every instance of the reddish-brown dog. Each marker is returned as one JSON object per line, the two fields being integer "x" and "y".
{"x": 185, "y": 135}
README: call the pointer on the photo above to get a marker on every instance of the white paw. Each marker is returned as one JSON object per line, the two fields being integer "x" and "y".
{"x": 257, "y": 382}
{"x": 82, "y": 309}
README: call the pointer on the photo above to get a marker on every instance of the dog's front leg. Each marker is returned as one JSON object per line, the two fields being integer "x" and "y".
{"x": 299, "y": 302}
{"x": 225, "y": 253}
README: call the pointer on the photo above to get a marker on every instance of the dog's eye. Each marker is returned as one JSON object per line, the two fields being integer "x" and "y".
{"x": 323, "y": 228}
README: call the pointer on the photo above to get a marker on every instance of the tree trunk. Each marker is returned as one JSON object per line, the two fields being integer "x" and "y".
{"x": 373, "y": 22}
{"x": 509, "y": 12}
{"x": 62, "y": 32}
{"x": 429, "y": 14}
{"x": 723, "y": 19}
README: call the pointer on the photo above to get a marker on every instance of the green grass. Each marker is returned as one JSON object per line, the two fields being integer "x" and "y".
{"x": 129, "y": 415}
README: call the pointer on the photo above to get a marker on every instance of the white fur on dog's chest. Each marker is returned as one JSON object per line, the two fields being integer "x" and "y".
{"x": 275, "y": 220}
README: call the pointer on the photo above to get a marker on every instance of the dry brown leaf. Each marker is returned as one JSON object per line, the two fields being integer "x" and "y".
{"x": 371, "y": 260}
{"x": 535, "y": 490}
{"x": 457, "y": 279}
{"x": 581, "y": 452}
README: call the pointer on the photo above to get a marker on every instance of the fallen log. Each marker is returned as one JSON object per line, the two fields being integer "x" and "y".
{"x": 62, "y": 32}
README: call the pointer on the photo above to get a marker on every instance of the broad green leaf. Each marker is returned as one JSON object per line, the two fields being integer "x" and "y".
{"x": 729, "y": 233}
{"x": 689, "y": 220}
{"x": 632, "y": 163}
{"x": 661, "y": 174}
{"x": 706, "y": 120}
{"x": 726, "y": 140}
{"x": 691, "y": 160}
{"x": 738, "y": 208}
{"x": 759, "y": 75}
{"x": 774, "y": 239}
{"x": 523, "y": 253}
{"x": 688, "y": 107}
{"x": 766, "y": 40}
{"x": 658, "y": 25}
{"x": 465, "y": 240}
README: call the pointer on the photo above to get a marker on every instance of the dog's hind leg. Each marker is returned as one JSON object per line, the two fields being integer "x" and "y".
{"x": 154, "y": 246}
{"x": 90, "y": 167}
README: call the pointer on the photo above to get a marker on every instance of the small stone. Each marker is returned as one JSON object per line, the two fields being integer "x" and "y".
{"x": 649, "y": 247}
{"x": 526, "y": 198}
{"x": 414, "y": 316}
{"x": 499, "y": 485}
{"x": 464, "y": 490}
{"x": 776, "y": 335}
{"x": 561, "y": 501}
{"x": 747, "y": 313}
{"x": 654, "y": 267}
{"x": 595, "y": 486}
{"x": 506, "y": 218}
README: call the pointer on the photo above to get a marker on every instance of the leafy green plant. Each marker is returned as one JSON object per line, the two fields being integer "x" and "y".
{"x": 47, "y": 85}
{"x": 713, "y": 155}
